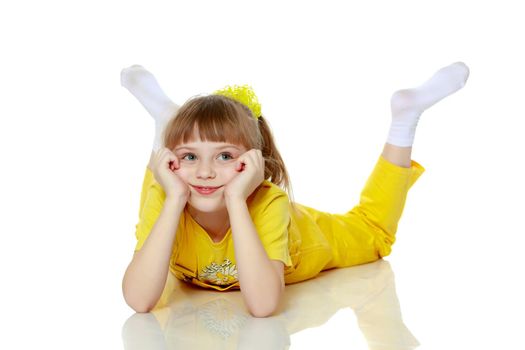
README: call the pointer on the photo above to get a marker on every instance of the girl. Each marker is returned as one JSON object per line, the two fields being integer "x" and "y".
{"x": 213, "y": 211}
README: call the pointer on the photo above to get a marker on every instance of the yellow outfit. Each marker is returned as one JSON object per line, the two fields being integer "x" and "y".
{"x": 307, "y": 241}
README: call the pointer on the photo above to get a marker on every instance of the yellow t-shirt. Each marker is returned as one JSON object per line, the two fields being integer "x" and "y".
{"x": 306, "y": 240}
{"x": 196, "y": 258}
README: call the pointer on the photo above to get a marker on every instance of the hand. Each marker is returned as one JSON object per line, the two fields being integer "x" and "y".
{"x": 164, "y": 166}
{"x": 250, "y": 166}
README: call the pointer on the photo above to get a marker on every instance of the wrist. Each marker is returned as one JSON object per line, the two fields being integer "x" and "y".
{"x": 234, "y": 200}
{"x": 174, "y": 203}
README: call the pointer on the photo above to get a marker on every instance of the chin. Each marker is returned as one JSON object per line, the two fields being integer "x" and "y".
{"x": 207, "y": 205}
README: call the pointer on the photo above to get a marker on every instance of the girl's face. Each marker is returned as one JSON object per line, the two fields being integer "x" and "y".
{"x": 207, "y": 164}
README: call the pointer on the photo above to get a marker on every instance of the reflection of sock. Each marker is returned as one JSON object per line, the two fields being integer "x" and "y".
{"x": 408, "y": 104}
{"x": 143, "y": 85}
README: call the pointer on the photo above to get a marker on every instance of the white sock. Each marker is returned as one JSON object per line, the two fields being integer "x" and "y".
{"x": 407, "y": 105}
{"x": 143, "y": 85}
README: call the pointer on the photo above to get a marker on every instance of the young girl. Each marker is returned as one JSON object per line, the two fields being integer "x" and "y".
{"x": 213, "y": 211}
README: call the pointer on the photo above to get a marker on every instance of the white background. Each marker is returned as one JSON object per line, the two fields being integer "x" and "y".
{"x": 74, "y": 145}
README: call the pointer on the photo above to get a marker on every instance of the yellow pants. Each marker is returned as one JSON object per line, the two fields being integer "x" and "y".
{"x": 362, "y": 235}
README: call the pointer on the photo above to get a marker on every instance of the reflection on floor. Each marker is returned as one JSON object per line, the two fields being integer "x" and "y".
{"x": 189, "y": 317}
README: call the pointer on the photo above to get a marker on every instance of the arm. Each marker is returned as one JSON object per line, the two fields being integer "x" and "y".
{"x": 261, "y": 279}
{"x": 146, "y": 275}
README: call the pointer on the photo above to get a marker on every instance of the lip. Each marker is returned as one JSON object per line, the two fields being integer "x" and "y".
{"x": 206, "y": 190}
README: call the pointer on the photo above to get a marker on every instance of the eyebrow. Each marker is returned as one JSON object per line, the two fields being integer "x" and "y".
{"x": 216, "y": 148}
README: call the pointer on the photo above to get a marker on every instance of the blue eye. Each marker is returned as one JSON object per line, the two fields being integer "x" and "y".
{"x": 188, "y": 154}
{"x": 228, "y": 155}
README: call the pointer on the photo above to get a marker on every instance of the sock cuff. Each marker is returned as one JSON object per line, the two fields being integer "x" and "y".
{"x": 401, "y": 136}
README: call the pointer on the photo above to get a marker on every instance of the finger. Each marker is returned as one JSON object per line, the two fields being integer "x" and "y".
{"x": 258, "y": 156}
{"x": 239, "y": 165}
{"x": 158, "y": 155}
{"x": 176, "y": 162}
{"x": 254, "y": 157}
{"x": 261, "y": 162}
{"x": 248, "y": 156}
{"x": 173, "y": 158}
{"x": 249, "y": 159}
{"x": 167, "y": 160}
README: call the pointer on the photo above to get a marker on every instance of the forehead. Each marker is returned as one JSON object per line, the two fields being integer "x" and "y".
{"x": 198, "y": 145}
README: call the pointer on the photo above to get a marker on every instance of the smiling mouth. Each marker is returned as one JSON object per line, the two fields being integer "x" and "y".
{"x": 206, "y": 190}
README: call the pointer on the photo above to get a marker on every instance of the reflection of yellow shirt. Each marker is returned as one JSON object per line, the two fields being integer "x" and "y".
{"x": 307, "y": 241}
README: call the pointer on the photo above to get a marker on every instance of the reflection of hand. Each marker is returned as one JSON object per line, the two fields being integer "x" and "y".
{"x": 250, "y": 166}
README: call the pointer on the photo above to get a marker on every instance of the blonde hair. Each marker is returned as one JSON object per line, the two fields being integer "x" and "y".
{"x": 221, "y": 119}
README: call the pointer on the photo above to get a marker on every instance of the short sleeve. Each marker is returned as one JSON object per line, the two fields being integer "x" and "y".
{"x": 271, "y": 223}
{"x": 151, "y": 209}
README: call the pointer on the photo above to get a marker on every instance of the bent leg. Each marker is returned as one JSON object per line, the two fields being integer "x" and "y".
{"x": 367, "y": 232}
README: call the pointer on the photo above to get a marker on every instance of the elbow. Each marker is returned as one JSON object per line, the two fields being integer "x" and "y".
{"x": 138, "y": 305}
{"x": 262, "y": 310}
{"x": 265, "y": 305}
{"x": 136, "y": 301}
{"x": 141, "y": 310}
{"x": 261, "y": 313}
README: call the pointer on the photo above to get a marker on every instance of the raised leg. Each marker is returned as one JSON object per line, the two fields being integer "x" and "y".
{"x": 143, "y": 85}
{"x": 367, "y": 232}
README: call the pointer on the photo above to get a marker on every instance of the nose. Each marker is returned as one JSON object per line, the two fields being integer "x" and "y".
{"x": 205, "y": 171}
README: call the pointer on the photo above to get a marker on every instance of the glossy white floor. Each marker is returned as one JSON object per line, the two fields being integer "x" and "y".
{"x": 352, "y": 308}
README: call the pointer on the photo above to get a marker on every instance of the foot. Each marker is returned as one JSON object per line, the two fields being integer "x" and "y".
{"x": 143, "y": 85}
{"x": 444, "y": 82}
{"x": 129, "y": 75}
{"x": 407, "y": 105}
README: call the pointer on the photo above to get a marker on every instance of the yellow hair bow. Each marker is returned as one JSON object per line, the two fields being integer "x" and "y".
{"x": 243, "y": 94}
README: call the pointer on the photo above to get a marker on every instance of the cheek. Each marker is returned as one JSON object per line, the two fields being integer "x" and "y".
{"x": 231, "y": 173}
{"x": 184, "y": 174}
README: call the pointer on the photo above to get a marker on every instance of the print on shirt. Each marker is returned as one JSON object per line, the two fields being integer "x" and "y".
{"x": 222, "y": 275}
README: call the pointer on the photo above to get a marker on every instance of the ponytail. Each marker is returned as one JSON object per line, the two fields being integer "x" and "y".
{"x": 275, "y": 170}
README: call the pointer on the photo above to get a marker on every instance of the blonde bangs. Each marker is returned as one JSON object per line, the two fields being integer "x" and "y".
{"x": 217, "y": 119}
